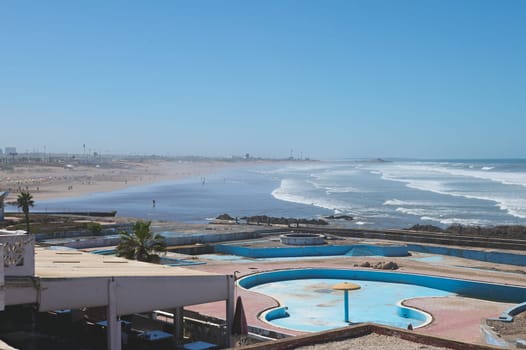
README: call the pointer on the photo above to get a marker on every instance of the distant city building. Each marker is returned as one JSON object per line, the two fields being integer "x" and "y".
{"x": 10, "y": 150}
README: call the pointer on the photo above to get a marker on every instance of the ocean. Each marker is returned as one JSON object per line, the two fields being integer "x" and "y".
{"x": 378, "y": 194}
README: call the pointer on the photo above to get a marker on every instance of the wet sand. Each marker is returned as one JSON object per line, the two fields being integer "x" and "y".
{"x": 59, "y": 181}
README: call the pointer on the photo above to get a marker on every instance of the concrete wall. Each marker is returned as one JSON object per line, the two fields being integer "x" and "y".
{"x": 489, "y": 256}
{"x": 2, "y": 280}
{"x": 363, "y": 330}
{"x": 215, "y": 237}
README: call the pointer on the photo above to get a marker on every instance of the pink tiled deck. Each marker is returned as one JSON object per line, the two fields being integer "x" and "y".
{"x": 454, "y": 317}
{"x": 457, "y": 317}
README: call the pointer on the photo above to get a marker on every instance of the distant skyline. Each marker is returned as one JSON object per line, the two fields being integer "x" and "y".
{"x": 323, "y": 79}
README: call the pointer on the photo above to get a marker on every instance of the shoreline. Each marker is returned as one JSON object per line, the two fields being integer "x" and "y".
{"x": 58, "y": 182}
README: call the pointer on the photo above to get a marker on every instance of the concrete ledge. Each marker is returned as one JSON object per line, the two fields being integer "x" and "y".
{"x": 360, "y": 330}
{"x": 507, "y": 316}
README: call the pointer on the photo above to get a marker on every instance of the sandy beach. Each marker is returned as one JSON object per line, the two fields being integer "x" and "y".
{"x": 61, "y": 181}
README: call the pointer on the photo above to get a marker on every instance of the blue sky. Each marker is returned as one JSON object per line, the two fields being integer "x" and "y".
{"x": 326, "y": 79}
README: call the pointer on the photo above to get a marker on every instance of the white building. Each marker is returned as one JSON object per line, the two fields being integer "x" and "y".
{"x": 69, "y": 279}
{"x": 10, "y": 150}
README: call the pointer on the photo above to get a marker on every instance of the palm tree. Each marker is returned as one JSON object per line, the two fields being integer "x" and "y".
{"x": 24, "y": 201}
{"x": 141, "y": 244}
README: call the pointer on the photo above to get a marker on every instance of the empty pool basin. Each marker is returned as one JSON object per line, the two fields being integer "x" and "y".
{"x": 308, "y": 302}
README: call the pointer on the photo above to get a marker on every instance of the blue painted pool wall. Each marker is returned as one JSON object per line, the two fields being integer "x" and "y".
{"x": 494, "y": 257}
{"x": 371, "y": 250}
{"x": 281, "y": 252}
{"x": 407, "y": 312}
{"x": 512, "y": 294}
{"x": 322, "y": 250}
{"x": 279, "y": 312}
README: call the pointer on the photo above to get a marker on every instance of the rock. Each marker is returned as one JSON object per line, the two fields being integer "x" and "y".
{"x": 385, "y": 266}
{"x": 390, "y": 266}
{"x": 270, "y": 220}
{"x": 365, "y": 264}
{"x": 340, "y": 217}
{"x": 425, "y": 228}
{"x": 225, "y": 217}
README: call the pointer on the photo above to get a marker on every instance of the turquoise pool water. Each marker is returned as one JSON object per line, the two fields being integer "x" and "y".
{"x": 312, "y": 305}
{"x": 242, "y": 260}
{"x": 429, "y": 259}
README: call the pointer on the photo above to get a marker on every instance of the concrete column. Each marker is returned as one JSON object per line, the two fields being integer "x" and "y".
{"x": 2, "y": 279}
{"x": 113, "y": 330}
{"x": 346, "y": 304}
{"x": 178, "y": 325}
{"x": 230, "y": 302}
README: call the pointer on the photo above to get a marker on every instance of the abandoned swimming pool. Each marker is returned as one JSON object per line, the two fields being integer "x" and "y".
{"x": 308, "y": 303}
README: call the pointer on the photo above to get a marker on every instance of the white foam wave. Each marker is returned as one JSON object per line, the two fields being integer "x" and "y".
{"x": 427, "y": 215}
{"x": 315, "y": 184}
{"x": 412, "y": 211}
{"x": 343, "y": 189}
{"x": 329, "y": 188}
{"x": 503, "y": 177}
{"x": 290, "y": 191}
{"x": 429, "y": 218}
{"x": 361, "y": 223}
{"x": 397, "y": 202}
{"x": 466, "y": 222}
{"x": 451, "y": 221}
{"x": 294, "y": 168}
{"x": 514, "y": 207}
{"x": 488, "y": 167}
{"x": 423, "y": 178}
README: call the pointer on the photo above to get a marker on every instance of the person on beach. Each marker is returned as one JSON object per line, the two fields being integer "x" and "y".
{"x": 153, "y": 203}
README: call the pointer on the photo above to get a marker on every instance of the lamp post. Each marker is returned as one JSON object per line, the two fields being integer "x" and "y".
{"x": 346, "y": 287}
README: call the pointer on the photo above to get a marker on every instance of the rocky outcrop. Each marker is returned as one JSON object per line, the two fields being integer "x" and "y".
{"x": 340, "y": 217}
{"x": 391, "y": 265}
{"x": 270, "y": 220}
{"x": 387, "y": 266}
{"x": 225, "y": 217}
{"x": 502, "y": 231}
{"x": 425, "y": 228}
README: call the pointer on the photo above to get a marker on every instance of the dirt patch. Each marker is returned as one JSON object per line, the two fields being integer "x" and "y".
{"x": 372, "y": 341}
{"x": 511, "y": 331}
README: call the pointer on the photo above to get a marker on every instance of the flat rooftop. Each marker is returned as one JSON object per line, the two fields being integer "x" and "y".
{"x": 55, "y": 263}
